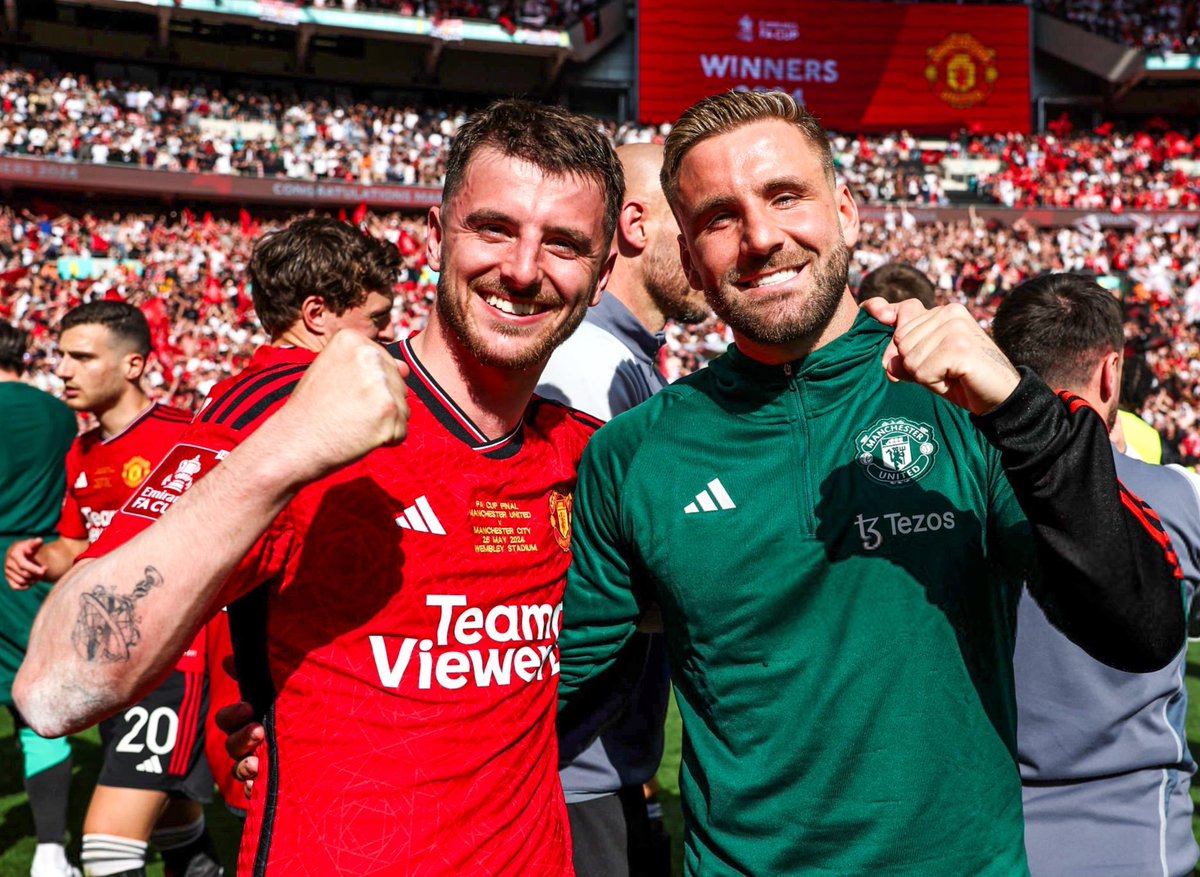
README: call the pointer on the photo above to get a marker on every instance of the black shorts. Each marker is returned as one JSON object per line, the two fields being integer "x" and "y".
{"x": 158, "y": 743}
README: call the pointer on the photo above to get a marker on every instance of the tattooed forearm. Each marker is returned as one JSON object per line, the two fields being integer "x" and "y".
{"x": 107, "y": 627}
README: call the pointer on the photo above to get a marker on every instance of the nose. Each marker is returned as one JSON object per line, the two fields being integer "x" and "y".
{"x": 761, "y": 234}
{"x": 520, "y": 269}
{"x": 387, "y": 334}
{"x": 64, "y": 368}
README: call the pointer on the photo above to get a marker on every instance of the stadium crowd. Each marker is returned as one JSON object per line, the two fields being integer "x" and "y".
{"x": 187, "y": 273}
{"x": 197, "y": 129}
{"x": 1155, "y": 26}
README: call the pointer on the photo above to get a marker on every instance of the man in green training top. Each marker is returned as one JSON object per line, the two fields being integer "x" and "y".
{"x": 835, "y": 519}
{"x": 38, "y": 430}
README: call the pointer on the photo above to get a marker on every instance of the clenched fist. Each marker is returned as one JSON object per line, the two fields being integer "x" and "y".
{"x": 350, "y": 402}
{"x": 945, "y": 350}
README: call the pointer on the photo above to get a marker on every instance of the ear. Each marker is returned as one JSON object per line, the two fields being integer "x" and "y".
{"x": 433, "y": 239}
{"x": 605, "y": 274}
{"x": 315, "y": 314}
{"x": 847, "y": 216}
{"x": 134, "y": 365}
{"x": 685, "y": 258}
{"x": 1110, "y": 379}
{"x": 632, "y": 234}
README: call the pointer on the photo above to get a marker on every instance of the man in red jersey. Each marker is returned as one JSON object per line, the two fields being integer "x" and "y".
{"x": 410, "y": 591}
{"x": 154, "y": 772}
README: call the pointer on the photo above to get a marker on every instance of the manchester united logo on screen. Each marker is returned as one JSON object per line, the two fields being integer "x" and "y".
{"x": 961, "y": 70}
{"x": 560, "y": 518}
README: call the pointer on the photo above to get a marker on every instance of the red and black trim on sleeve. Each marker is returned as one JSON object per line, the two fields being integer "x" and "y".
{"x": 254, "y": 397}
{"x": 1108, "y": 577}
{"x": 1153, "y": 524}
{"x": 1134, "y": 504}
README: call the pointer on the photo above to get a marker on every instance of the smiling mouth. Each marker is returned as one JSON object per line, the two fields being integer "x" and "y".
{"x": 516, "y": 308}
{"x": 771, "y": 278}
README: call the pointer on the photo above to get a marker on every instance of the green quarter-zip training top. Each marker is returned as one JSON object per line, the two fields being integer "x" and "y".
{"x": 837, "y": 559}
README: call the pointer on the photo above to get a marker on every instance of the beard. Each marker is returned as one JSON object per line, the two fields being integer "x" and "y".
{"x": 668, "y": 286}
{"x": 538, "y": 341}
{"x": 796, "y": 317}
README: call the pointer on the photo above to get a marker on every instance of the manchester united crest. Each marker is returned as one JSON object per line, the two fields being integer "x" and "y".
{"x": 961, "y": 70}
{"x": 560, "y": 518}
{"x": 135, "y": 471}
{"x": 896, "y": 451}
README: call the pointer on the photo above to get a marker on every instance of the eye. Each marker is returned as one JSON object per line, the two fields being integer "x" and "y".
{"x": 718, "y": 220}
{"x": 564, "y": 246}
{"x": 493, "y": 230}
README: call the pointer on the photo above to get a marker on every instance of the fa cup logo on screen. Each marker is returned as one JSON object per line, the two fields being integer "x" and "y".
{"x": 746, "y": 29}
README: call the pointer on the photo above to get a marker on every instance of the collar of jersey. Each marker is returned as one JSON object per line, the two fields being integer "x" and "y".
{"x": 142, "y": 415}
{"x": 447, "y": 411}
{"x": 832, "y": 378}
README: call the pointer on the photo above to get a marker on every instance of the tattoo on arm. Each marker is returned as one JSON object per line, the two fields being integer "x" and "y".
{"x": 107, "y": 627}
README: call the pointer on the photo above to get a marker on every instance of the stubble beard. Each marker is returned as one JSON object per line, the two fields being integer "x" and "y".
{"x": 796, "y": 318}
{"x": 540, "y": 342}
{"x": 668, "y": 287}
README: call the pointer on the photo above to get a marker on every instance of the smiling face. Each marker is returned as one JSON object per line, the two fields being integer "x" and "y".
{"x": 521, "y": 255}
{"x": 766, "y": 235}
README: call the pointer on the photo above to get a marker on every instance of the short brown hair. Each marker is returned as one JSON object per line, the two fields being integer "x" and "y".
{"x": 322, "y": 257}
{"x": 126, "y": 323}
{"x": 558, "y": 142}
{"x": 13, "y": 344}
{"x": 726, "y": 112}
{"x": 896, "y": 282}
{"x": 1059, "y": 325}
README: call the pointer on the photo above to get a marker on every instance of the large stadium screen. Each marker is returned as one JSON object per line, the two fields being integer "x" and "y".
{"x": 860, "y": 67}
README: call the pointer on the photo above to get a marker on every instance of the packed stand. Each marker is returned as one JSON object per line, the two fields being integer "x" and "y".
{"x": 187, "y": 272}
{"x": 1098, "y": 170}
{"x": 1159, "y": 26}
{"x": 201, "y": 130}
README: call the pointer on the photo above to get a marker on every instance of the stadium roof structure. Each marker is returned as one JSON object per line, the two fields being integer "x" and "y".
{"x": 427, "y": 46}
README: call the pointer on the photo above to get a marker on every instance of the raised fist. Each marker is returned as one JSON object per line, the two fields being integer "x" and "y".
{"x": 349, "y": 402}
{"x": 945, "y": 350}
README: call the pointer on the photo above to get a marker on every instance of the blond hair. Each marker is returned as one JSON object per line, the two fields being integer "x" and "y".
{"x": 726, "y": 112}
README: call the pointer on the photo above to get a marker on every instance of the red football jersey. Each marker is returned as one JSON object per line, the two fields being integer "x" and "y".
{"x": 407, "y": 621}
{"x": 101, "y": 473}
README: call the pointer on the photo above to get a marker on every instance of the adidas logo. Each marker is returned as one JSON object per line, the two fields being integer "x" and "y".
{"x": 151, "y": 765}
{"x": 704, "y": 499}
{"x": 81, "y": 481}
{"x": 420, "y": 517}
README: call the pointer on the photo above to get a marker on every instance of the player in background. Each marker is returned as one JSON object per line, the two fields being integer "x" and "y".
{"x": 414, "y": 614}
{"x": 896, "y": 282}
{"x": 309, "y": 280}
{"x": 609, "y": 365}
{"x": 1105, "y": 766}
{"x": 38, "y": 431}
{"x": 155, "y": 776}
